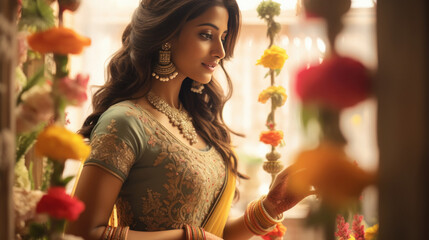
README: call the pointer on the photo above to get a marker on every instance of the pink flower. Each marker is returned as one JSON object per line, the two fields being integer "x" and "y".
{"x": 343, "y": 231}
{"x": 337, "y": 83}
{"x": 37, "y": 106}
{"x": 74, "y": 90}
{"x": 358, "y": 228}
{"x": 22, "y": 47}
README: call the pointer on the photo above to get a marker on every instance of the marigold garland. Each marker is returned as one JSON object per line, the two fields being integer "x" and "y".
{"x": 58, "y": 143}
{"x": 273, "y": 58}
{"x": 332, "y": 173}
{"x": 277, "y": 232}
{"x": 274, "y": 92}
{"x": 58, "y": 40}
{"x": 274, "y": 137}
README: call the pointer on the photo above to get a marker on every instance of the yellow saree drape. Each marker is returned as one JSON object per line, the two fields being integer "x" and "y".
{"x": 217, "y": 220}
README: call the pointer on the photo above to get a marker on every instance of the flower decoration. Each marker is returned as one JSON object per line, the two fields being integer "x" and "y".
{"x": 358, "y": 228}
{"x": 336, "y": 83}
{"x": 357, "y": 232}
{"x": 276, "y": 93}
{"x": 58, "y": 143}
{"x": 276, "y": 234}
{"x": 58, "y": 40}
{"x": 74, "y": 90}
{"x": 336, "y": 179}
{"x": 59, "y": 205}
{"x": 273, "y": 137}
{"x": 37, "y": 107}
{"x": 273, "y": 58}
{"x": 41, "y": 118}
{"x": 371, "y": 232}
{"x": 343, "y": 232}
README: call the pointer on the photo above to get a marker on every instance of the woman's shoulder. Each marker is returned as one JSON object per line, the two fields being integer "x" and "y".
{"x": 121, "y": 116}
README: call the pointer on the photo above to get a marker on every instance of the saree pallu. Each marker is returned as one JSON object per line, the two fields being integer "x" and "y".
{"x": 216, "y": 220}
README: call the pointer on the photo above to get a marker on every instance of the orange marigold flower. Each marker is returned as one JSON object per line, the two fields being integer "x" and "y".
{"x": 277, "y": 233}
{"x": 332, "y": 173}
{"x": 273, "y": 137}
{"x": 60, "y": 144}
{"x": 58, "y": 40}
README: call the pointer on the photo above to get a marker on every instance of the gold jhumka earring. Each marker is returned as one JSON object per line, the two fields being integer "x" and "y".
{"x": 165, "y": 69}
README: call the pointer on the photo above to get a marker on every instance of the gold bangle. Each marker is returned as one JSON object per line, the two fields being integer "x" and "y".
{"x": 124, "y": 233}
{"x": 273, "y": 220}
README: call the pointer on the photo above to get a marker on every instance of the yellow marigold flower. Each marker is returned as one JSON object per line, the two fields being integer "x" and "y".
{"x": 271, "y": 137}
{"x": 58, "y": 143}
{"x": 371, "y": 232}
{"x": 277, "y": 92}
{"x": 58, "y": 40}
{"x": 273, "y": 58}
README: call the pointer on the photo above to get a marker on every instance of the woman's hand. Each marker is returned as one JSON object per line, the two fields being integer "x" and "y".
{"x": 281, "y": 197}
{"x": 210, "y": 236}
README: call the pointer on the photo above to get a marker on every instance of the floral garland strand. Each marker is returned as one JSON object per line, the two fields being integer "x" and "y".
{"x": 41, "y": 117}
{"x": 273, "y": 58}
{"x": 325, "y": 89}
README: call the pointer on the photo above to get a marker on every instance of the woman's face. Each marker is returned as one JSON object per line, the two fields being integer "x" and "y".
{"x": 198, "y": 49}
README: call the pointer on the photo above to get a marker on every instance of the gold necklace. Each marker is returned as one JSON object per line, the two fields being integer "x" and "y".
{"x": 178, "y": 117}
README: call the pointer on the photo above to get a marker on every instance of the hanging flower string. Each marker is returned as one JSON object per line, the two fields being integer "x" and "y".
{"x": 325, "y": 89}
{"x": 41, "y": 116}
{"x": 274, "y": 58}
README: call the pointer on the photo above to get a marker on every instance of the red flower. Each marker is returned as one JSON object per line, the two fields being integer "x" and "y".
{"x": 277, "y": 233}
{"x": 58, "y": 204}
{"x": 338, "y": 82}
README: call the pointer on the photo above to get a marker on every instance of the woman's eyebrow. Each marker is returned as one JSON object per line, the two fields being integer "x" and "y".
{"x": 209, "y": 24}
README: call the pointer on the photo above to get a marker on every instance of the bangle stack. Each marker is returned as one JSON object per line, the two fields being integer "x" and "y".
{"x": 115, "y": 233}
{"x": 194, "y": 233}
{"x": 257, "y": 219}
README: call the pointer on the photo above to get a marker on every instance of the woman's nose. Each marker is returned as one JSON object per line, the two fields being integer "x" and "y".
{"x": 218, "y": 49}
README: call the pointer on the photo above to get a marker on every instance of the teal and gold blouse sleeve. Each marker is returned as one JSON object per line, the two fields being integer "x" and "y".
{"x": 117, "y": 141}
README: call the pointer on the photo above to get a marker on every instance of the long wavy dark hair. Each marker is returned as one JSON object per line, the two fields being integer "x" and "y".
{"x": 155, "y": 22}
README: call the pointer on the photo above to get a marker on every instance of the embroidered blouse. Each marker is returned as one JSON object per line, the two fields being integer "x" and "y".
{"x": 166, "y": 183}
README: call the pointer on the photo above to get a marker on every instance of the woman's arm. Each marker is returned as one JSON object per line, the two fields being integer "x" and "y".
{"x": 99, "y": 189}
{"x": 236, "y": 230}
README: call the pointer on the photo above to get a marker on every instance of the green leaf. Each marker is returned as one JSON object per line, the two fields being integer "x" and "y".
{"x": 277, "y": 71}
{"x": 25, "y": 141}
{"x": 267, "y": 74}
{"x": 33, "y": 81}
{"x": 66, "y": 180}
{"x": 61, "y": 62}
{"x": 36, "y": 16}
{"x": 38, "y": 230}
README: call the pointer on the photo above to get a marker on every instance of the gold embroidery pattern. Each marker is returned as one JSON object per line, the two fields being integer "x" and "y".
{"x": 125, "y": 215}
{"x": 113, "y": 151}
{"x": 193, "y": 179}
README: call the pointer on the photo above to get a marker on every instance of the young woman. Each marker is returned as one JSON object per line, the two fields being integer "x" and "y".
{"x": 161, "y": 152}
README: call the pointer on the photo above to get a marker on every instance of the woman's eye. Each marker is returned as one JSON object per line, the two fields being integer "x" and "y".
{"x": 207, "y": 36}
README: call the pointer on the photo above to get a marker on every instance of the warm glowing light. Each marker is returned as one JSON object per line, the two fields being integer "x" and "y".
{"x": 253, "y": 4}
{"x": 296, "y": 41}
{"x": 291, "y": 4}
{"x": 356, "y": 120}
{"x": 308, "y": 43}
{"x": 321, "y": 45}
{"x": 285, "y": 41}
